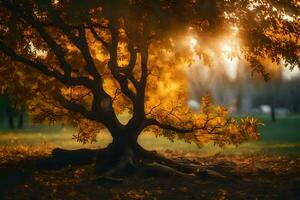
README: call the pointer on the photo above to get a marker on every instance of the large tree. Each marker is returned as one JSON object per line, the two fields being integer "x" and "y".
{"x": 88, "y": 63}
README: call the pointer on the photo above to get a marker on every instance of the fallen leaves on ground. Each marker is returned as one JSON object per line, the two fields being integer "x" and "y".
{"x": 253, "y": 176}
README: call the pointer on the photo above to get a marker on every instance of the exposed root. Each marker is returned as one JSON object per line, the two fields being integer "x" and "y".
{"x": 155, "y": 157}
{"x": 109, "y": 180}
{"x": 61, "y": 158}
{"x": 113, "y": 162}
{"x": 209, "y": 173}
{"x": 155, "y": 168}
{"x": 79, "y": 156}
{"x": 125, "y": 163}
{"x": 177, "y": 168}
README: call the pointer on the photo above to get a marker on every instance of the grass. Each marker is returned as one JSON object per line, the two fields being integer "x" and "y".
{"x": 281, "y": 130}
{"x": 282, "y": 136}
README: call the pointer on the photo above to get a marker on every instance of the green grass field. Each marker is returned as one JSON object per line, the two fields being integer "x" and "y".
{"x": 282, "y": 136}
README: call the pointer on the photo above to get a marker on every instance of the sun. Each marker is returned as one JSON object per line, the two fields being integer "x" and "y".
{"x": 226, "y": 48}
{"x": 193, "y": 43}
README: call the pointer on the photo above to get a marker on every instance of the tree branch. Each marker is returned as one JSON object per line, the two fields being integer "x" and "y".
{"x": 37, "y": 65}
{"x": 154, "y": 122}
{"x": 80, "y": 42}
{"x": 93, "y": 24}
{"x": 133, "y": 56}
{"x": 58, "y": 51}
{"x": 84, "y": 48}
{"x": 132, "y": 61}
{"x": 141, "y": 89}
{"x": 114, "y": 68}
{"x": 67, "y": 81}
{"x": 103, "y": 113}
{"x": 97, "y": 37}
{"x": 78, "y": 108}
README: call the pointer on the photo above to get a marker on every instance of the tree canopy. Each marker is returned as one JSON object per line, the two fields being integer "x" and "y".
{"x": 87, "y": 63}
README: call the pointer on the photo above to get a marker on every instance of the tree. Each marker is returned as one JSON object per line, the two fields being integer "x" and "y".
{"x": 7, "y": 110}
{"x": 10, "y": 111}
{"x": 86, "y": 64}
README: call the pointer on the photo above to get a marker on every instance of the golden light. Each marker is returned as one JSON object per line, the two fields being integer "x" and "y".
{"x": 230, "y": 63}
{"x": 223, "y": 51}
{"x": 226, "y": 48}
{"x": 193, "y": 43}
{"x": 231, "y": 66}
{"x": 234, "y": 29}
{"x": 39, "y": 53}
{"x": 287, "y": 17}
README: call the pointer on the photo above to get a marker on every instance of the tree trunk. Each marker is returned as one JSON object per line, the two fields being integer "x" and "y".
{"x": 10, "y": 117}
{"x": 273, "y": 115}
{"x": 124, "y": 156}
{"x": 120, "y": 157}
{"x": 21, "y": 117}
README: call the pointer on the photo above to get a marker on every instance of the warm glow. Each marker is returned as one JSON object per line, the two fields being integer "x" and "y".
{"x": 288, "y": 74}
{"x": 194, "y": 105}
{"x": 231, "y": 66}
{"x": 226, "y": 49}
{"x": 193, "y": 43}
{"x": 229, "y": 62}
{"x": 234, "y": 29}
{"x": 287, "y": 17}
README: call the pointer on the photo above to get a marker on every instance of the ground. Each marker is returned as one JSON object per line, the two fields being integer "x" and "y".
{"x": 252, "y": 176}
{"x": 267, "y": 169}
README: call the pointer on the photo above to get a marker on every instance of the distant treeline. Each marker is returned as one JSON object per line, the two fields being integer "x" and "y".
{"x": 11, "y": 114}
{"x": 280, "y": 94}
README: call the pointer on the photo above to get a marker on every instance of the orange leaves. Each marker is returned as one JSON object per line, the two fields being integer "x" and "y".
{"x": 250, "y": 126}
{"x": 202, "y": 138}
{"x": 78, "y": 173}
{"x": 212, "y": 124}
{"x": 223, "y": 129}
{"x": 86, "y": 130}
{"x": 21, "y": 152}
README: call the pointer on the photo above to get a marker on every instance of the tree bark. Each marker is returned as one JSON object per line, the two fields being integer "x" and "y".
{"x": 123, "y": 157}
{"x": 120, "y": 157}
{"x": 273, "y": 114}
{"x": 21, "y": 117}
{"x": 10, "y": 117}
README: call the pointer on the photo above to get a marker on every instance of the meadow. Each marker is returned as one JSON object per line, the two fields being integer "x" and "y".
{"x": 280, "y": 136}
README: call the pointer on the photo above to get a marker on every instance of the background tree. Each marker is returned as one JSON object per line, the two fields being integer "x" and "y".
{"x": 88, "y": 63}
{"x": 9, "y": 112}
{"x": 14, "y": 94}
